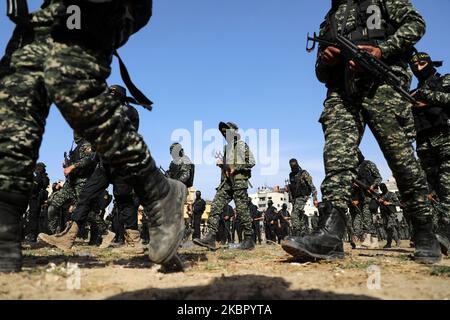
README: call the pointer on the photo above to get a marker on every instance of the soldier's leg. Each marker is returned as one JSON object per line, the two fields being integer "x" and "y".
{"x": 123, "y": 193}
{"x": 76, "y": 80}
{"x": 368, "y": 227}
{"x": 385, "y": 114}
{"x": 24, "y": 106}
{"x": 221, "y": 199}
{"x": 33, "y": 222}
{"x": 299, "y": 219}
{"x": 343, "y": 127}
{"x": 197, "y": 222}
{"x": 437, "y": 166}
{"x": 91, "y": 191}
{"x": 241, "y": 200}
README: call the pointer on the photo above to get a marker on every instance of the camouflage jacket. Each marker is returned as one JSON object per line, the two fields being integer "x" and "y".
{"x": 390, "y": 197}
{"x": 408, "y": 28}
{"x": 180, "y": 169}
{"x": 435, "y": 117}
{"x": 436, "y": 97}
{"x": 369, "y": 173}
{"x": 301, "y": 185}
{"x": 83, "y": 158}
{"x": 239, "y": 157}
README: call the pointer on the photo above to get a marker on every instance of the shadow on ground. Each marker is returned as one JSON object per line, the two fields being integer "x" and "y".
{"x": 243, "y": 287}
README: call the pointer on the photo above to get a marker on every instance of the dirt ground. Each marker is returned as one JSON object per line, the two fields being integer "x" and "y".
{"x": 265, "y": 273}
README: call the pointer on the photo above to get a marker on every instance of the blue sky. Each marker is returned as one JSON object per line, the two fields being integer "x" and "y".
{"x": 232, "y": 60}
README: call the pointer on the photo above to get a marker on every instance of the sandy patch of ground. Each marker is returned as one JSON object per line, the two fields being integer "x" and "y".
{"x": 265, "y": 273}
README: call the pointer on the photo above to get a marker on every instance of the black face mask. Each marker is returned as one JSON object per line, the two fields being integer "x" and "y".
{"x": 295, "y": 168}
{"x": 425, "y": 73}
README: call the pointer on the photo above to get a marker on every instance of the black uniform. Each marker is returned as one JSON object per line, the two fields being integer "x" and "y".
{"x": 256, "y": 225}
{"x": 122, "y": 190}
{"x": 198, "y": 208}
{"x": 271, "y": 221}
{"x": 38, "y": 196}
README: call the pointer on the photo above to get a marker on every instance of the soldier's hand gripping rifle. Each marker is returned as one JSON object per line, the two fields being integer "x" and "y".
{"x": 377, "y": 196}
{"x": 227, "y": 170}
{"x": 17, "y": 11}
{"x": 379, "y": 70}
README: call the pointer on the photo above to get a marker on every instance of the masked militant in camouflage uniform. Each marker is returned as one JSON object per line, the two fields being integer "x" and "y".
{"x": 39, "y": 195}
{"x": 69, "y": 67}
{"x": 354, "y": 101}
{"x": 181, "y": 167}
{"x": 301, "y": 187}
{"x": 432, "y": 119}
{"x": 388, "y": 210}
{"x": 94, "y": 190}
{"x": 80, "y": 167}
{"x": 236, "y": 166}
{"x": 369, "y": 174}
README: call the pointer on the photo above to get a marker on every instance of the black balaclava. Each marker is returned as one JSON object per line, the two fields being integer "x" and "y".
{"x": 77, "y": 138}
{"x": 118, "y": 92}
{"x": 198, "y": 194}
{"x": 284, "y": 207}
{"x": 176, "y": 150}
{"x": 429, "y": 70}
{"x": 383, "y": 188}
{"x": 295, "y": 167}
{"x": 270, "y": 203}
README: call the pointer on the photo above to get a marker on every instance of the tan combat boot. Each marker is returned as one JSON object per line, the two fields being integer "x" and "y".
{"x": 107, "y": 239}
{"x": 374, "y": 243}
{"x": 63, "y": 240}
{"x": 133, "y": 244}
{"x": 367, "y": 241}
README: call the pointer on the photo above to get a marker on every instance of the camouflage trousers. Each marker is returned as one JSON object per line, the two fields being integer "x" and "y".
{"x": 355, "y": 222}
{"x": 365, "y": 218}
{"x": 224, "y": 197}
{"x": 298, "y": 218}
{"x": 74, "y": 79}
{"x": 68, "y": 193}
{"x": 388, "y": 117}
{"x": 434, "y": 155}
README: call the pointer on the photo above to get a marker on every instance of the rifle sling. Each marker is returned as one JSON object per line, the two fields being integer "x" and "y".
{"x": 135, "y": 92}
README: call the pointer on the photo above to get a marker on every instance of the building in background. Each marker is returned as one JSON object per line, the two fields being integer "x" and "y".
{"x": 279, "y": 197}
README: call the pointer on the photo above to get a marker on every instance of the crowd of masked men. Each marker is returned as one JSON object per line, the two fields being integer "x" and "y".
{"x": 375, "y": 213}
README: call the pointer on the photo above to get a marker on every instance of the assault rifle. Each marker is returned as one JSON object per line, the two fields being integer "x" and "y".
{"x": 377, "y": 196}
{"x": 17, "y": 11}
{"x": 379, "y": 70}
{"x": 226, "y": 170}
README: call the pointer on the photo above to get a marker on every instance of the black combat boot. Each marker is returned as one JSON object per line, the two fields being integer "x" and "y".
{"x": 443, "y": 235}
{"x": 427, "y": 246}
{"x": 247, "y": 244}
{"x": 163, "y": 200}
{"x": 324, "y": 243}
{"x": 209, "y": 241}
{"x": 11, "y": 209}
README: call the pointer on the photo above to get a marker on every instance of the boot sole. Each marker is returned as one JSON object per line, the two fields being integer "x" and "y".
{"x": 444, "y": 243}
{"x": 44, "y": 238}
{"x": 299, "y": 251}
{"x": 427, "y": 260}
{"x": 197, "y": 242}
